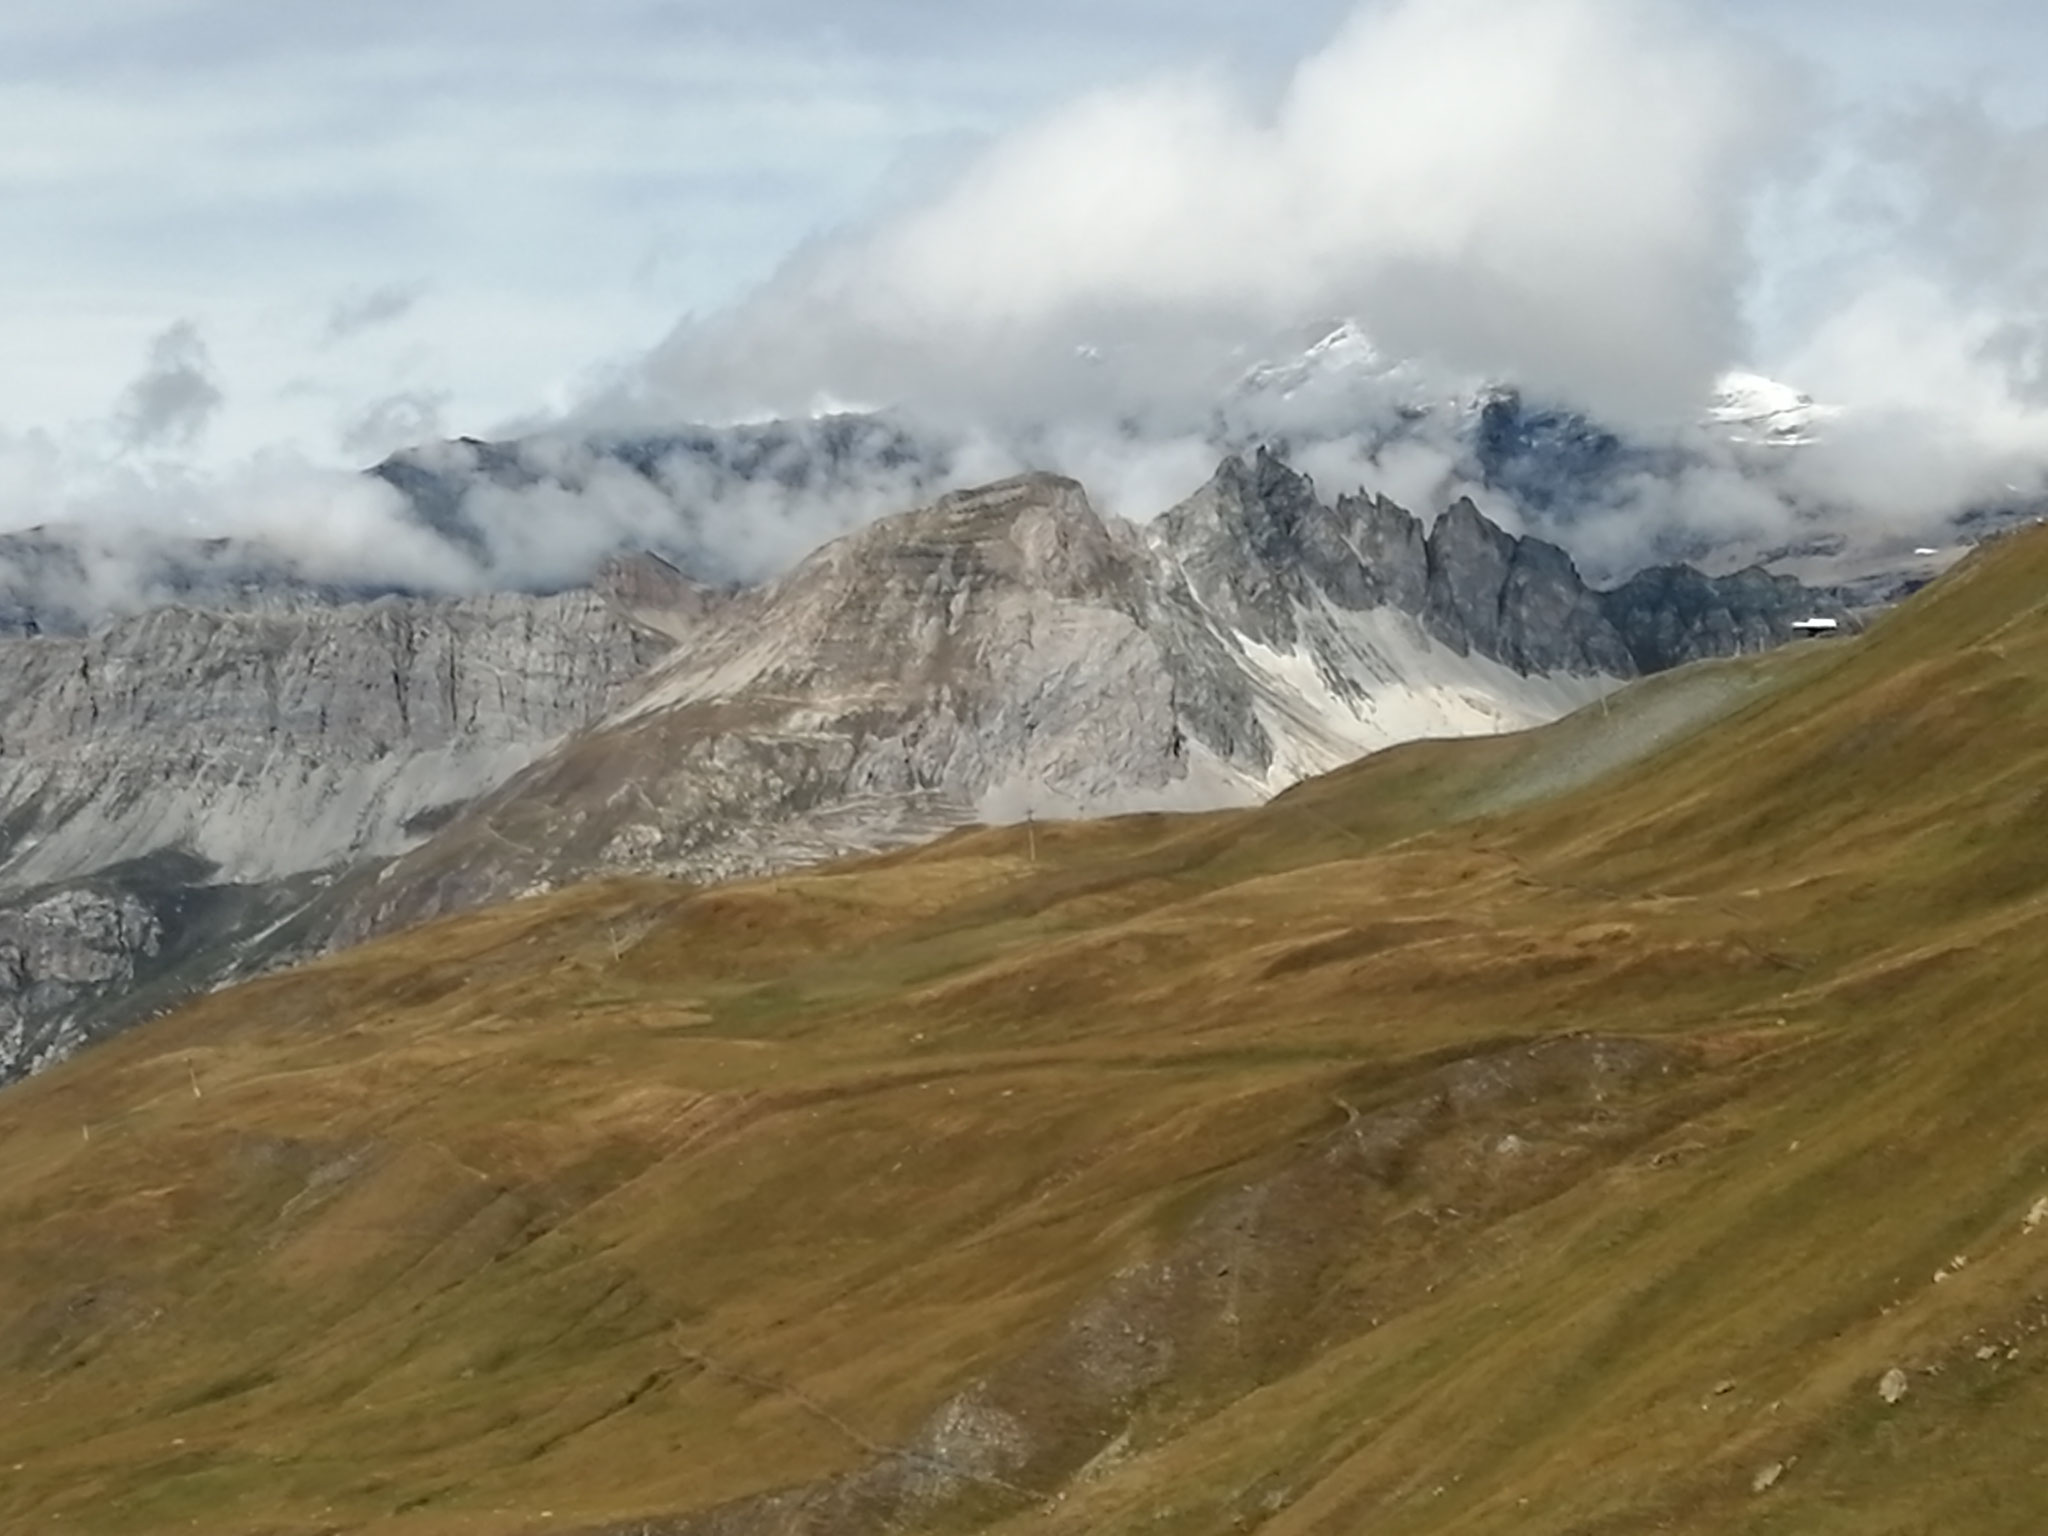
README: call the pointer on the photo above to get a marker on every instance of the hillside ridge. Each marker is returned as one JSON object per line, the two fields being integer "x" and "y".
{"x": 1629, "y": 1124}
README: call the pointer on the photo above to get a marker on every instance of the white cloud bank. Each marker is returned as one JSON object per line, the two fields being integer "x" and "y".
{"x": 1573, "y": 196}
{"x": 1554, "y": 191}
{"x": 1588, "y": 198}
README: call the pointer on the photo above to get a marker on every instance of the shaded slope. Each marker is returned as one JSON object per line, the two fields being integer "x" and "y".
{"x": 1554, "y": 1133}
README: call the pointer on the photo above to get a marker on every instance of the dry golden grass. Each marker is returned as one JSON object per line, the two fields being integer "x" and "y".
{"x": 1538, "y": 1135}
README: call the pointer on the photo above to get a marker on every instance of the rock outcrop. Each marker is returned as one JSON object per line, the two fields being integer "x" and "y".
{"x": 57, "y": 955}
{"x": 1672, "y": 614}
{"x": 1257, "y": 545}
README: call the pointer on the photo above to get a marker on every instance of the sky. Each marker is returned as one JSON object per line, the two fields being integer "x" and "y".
{"x": 243, "y": 243}
{"x": 468, "y": 207}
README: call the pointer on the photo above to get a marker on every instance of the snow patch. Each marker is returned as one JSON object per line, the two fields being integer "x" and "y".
{"x": 1377, "y": 680}
{"x": 1758, "y": 410}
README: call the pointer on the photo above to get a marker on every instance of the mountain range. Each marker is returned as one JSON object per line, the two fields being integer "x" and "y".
{"x": 257, "y": 775}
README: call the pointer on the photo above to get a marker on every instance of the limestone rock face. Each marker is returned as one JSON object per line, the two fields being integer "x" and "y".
{"x": 168, "y": 783}
{"x": 1520, "y": 600}
{"x": 269, "y": 743}
{"x": 216, "y": 754}
{"x": 991, "y": 648}
{"x": 1256, "y": 544}
{"x": 57, "y": 953}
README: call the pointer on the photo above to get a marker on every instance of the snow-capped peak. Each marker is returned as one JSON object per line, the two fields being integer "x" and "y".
{"x": 1756, "y": 409}
{"x": 1345, "y": 352}
{"x": 1347, "y": 344}
{"x": 1746, "y": 406}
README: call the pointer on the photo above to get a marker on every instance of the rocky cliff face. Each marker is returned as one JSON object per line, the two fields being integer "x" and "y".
{"x": 270, "y": 743}
{"x": 1671, "y": 614}
{"x": 59, "y": 954}
{"x": 342, "y": 769}
{"x": 1258, "y": 547}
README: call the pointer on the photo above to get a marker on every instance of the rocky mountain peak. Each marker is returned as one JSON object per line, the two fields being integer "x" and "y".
{"x": 1520, "y": 600}
{"x": 1391, "y": 545}
{"x": 1256, "y": 543}
{"x": 1258, "y": 548}
{"x": 1464, "y": 530}
{"x": 656, "y": 594}
{"x": 1034, "y": 532}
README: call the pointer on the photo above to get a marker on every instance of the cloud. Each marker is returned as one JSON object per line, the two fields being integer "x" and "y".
{"x": 1943, "y": 408}
{"x": 358, "y": 312}
{"x": 1923, "y": 314}
{"x": 1607, "y": 204}
{"x": 744, "y": 505}
{"x": 396, "y": 421}
{"x": 1555, "y": 191}
{"x": 170, "y": 403}
{"x": 191, "y": 156}
{"x": 1564, "y": 194}
{"x": 114, "y": 534}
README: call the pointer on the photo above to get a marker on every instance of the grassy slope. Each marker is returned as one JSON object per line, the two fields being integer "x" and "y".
{"x": 1542, "y": 1134}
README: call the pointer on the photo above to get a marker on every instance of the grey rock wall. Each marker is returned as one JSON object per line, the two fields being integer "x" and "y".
{"x": 58, "y": 954}
{"x": 270, "y": 743}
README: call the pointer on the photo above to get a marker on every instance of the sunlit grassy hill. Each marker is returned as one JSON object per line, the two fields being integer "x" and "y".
{"x": 1570, "y": 1132}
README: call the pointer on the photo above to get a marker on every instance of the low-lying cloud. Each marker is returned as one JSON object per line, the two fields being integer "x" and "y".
{"x": 403, "y": 420}
{"x": 88, "y": 537}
